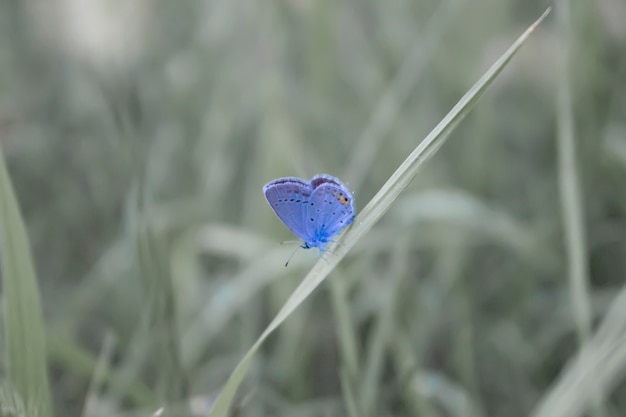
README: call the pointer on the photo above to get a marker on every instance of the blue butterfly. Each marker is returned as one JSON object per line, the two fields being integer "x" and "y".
{"x": 314, "y": 210}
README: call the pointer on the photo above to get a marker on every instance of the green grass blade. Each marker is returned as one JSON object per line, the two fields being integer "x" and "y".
{"x": 571, "y": 205}
{"x": 24, "y": 331}
{"x": 348, "y": 393}
{"x": 382, "y": 330}
{"x": 599, "y": 366}
{"x": 11, "y": 405}
{"x": 346, "y": 334}
{"x": 571, "y": 202}
{"x": 161, "y": 303}
{"x": 379, "y": 204}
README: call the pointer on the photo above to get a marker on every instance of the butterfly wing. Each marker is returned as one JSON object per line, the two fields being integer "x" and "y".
{"x": 289, "y": 198}
{"x": 320, "y": 179}
{"x": 331, "y": 208}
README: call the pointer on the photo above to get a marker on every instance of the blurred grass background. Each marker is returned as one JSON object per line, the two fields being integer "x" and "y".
{"x": 138, "y": 136}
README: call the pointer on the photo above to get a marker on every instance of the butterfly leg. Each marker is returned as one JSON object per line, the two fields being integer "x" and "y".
{"x": 337, "y": 242}
{"x": 323, "y": 251}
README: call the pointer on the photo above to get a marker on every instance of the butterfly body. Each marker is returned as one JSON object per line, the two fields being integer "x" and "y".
{"x": 314, "y": 210}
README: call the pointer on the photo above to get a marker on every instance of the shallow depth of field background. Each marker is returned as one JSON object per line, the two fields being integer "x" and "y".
{"x": 161, "y": 121}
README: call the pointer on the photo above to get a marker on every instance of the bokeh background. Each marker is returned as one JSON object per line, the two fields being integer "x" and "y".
{"x": 138, "y": 135}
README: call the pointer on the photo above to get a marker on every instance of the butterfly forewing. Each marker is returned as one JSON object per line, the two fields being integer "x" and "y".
{"x": 289, "y": 198}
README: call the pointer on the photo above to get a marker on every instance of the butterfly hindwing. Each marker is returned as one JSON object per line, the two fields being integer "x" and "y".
{"x": 331, "y": 210}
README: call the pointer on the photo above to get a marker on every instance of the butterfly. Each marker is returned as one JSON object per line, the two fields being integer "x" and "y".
{"x": 314, "y": 210}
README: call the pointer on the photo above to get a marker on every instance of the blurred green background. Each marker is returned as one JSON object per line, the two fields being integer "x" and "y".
{"x": 138, "y": 135}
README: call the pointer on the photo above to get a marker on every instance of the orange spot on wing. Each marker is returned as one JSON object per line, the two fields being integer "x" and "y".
{"x": 342, "y": 199}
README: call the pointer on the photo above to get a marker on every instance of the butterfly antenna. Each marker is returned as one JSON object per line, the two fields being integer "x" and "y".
{"x": 291, "y": 256}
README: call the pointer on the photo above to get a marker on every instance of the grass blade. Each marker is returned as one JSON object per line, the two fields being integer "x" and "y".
{"x": 571, "y": 202}
{"x": 379, "y": 204}
{"x": 24, "y": 331}
{"x": 598, "y": 367}
{"x": 11, "y": 404}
